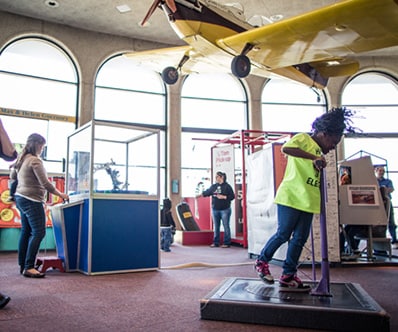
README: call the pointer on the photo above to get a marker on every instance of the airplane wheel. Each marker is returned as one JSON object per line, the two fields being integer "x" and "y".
{"x": 240, "y": 66}
{"x": 170, "y": 75}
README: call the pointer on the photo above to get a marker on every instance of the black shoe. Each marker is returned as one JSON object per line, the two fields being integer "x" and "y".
{"x": 4, "y": 299}
{"x": 21, "y": 268}
{"x": 28, "y": 274}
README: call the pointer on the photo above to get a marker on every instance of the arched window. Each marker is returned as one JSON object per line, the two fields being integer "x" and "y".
{"x": 39, "y": 93}
{"x": 290, "y": 107}
{"x": 212, "y": 107}
{"x": 125, "y": 92}
{"x": 374, "y": 97}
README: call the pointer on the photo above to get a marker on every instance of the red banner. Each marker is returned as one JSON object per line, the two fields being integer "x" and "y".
{"x": 9, "y": 214}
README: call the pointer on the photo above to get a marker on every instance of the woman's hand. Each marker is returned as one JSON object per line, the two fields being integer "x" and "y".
{"x": 64, "y": 196}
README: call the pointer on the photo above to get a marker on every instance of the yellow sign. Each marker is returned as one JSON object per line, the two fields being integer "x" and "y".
{"x": 187, "y": 215}
{"x": 7, "y": 214}
{"x": 37, "y": 115}
{"x": 4, "y": 197}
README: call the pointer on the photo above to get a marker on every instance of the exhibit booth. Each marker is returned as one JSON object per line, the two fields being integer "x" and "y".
{"x": 111, "y": 224}
{"x": 361, "y": 202}
{"x": 232, "y": 156}
{"x": 10, "y": 219}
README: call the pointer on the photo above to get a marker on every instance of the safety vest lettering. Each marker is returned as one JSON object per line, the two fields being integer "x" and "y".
{"x": 313, "y": 182}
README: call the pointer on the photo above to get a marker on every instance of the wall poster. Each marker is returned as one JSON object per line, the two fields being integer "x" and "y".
{"x": 363, "y": 195}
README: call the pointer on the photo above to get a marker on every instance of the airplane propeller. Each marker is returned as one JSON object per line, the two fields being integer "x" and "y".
{"x": 170, "y": 3}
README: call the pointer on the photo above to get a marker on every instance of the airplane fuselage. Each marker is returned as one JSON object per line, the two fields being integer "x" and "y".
{"x": 201, "y": 23}
{"x": 308, "y": 48}
{"x": 210, "y": 21}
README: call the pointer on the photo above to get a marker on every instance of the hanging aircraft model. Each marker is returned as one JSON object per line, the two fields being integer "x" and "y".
{"x": 308, "y": 48}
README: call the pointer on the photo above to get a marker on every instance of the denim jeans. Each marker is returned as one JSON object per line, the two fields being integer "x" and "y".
{"x": 165, "y": 238}
{"x": 293, "y": 226}
{"x": 33, "y": 222}
{"x": 392, "y": 228}
{"x": 218, "y": 216}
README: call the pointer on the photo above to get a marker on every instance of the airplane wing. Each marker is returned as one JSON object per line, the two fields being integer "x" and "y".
{"x": 198, "y": 62}
{"x": 158, "y": 59}
{"x": 322, "y": 38}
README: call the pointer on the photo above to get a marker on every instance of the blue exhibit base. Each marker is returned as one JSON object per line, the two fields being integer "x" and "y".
{"x": 98, "y": 236}
{"x": 252, "y": 301}
{"x": 9, "y": 238}
{"x": 67, "y": 223}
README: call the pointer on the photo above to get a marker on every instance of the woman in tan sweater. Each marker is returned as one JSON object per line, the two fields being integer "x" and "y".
{"x": 30, "y": 195}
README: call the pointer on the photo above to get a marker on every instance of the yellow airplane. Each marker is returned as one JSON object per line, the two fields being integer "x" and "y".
{"x": 308, "y": 48}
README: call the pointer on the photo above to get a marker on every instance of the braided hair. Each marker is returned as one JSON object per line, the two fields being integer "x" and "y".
{"x": 335, "y": 122}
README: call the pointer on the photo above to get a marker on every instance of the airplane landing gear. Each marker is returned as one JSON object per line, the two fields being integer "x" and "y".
{"x": 240, "y": 66}
{"x": 170, "y": 75}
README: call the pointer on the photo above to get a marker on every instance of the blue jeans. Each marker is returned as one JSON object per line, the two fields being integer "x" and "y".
{"x": 218, "y": 216}
{"x": 392, "y": 228}
{"x": 165, "y": 238}
{"x": 33, "y": 222}
{"x": 293, "y": 225}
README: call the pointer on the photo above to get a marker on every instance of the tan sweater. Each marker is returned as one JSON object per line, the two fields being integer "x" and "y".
{"x": 33, "y": 180}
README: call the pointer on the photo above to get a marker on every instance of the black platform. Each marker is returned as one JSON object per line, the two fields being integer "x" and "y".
{"x": 349, "y": 308}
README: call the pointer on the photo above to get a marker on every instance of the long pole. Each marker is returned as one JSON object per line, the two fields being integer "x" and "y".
{"x": 323, "y": 288}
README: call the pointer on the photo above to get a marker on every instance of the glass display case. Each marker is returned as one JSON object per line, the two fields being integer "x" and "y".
{"x": 113, "y": 158}
{"x": 113, "y": 174}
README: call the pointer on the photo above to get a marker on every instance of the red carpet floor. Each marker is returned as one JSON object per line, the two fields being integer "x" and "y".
{"x": 163, "y": 300}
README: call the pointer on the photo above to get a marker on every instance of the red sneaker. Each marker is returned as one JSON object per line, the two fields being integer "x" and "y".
{"x": 262, "y": 269}
{"x": 292, "y": 283}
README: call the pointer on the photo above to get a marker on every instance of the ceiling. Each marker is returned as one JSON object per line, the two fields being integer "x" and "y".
{"x": 102, "y": 15}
